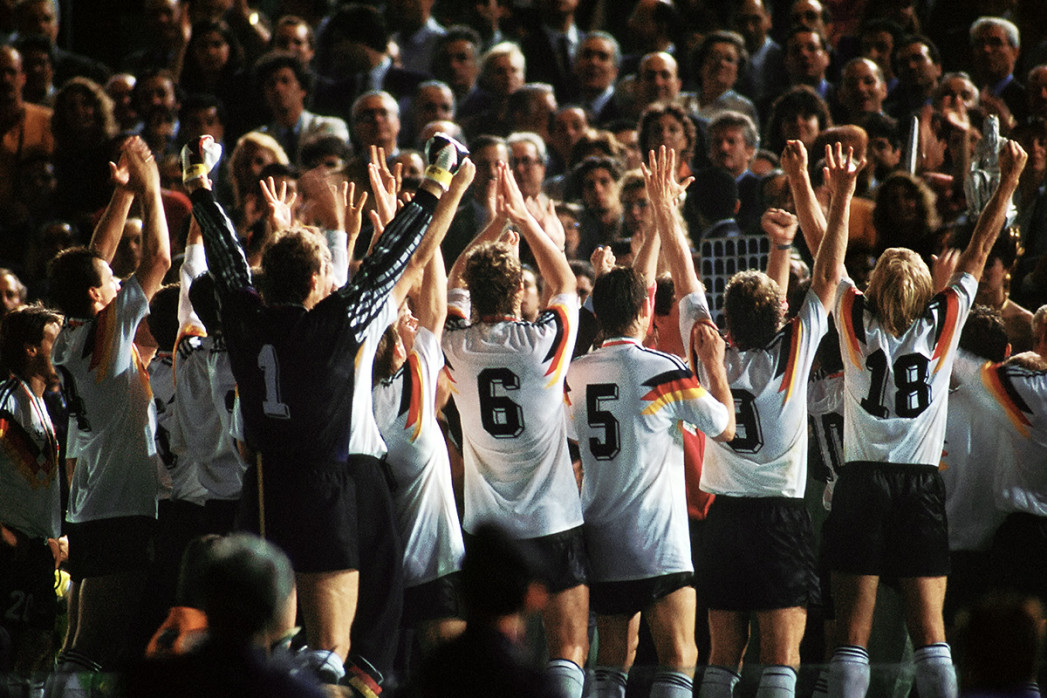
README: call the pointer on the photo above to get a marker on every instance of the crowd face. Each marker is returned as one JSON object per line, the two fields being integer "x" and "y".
{"x": 861, "y": 89}
{"x": 637, "y": 217}
{"x": 808, "y": 13}
{"x": 457, "y": 65}
{"x": 659, "y": 79}
{"x": 595, "y": 65}
{"x": 877, "y": 46}
{"x": 916, "y": 68}
{"x": 599, "y": 191}
{"x": 39, "y": 17}
{"x": 505, "y": 75}
{"x": 668, "y": 131}
{"x": 1037, "y": 91}
{"x": 433, "y": 104}
{"x": 211, "y": 53}
{"x": 956, "y": 90}
{"x": 120, "y": 89}
{"x": 294, "y": 38}
{"x": 720, "y": 68}
{"x": 284, "y": 94}
{"x": 806, "y": 58}
{"x": 569, "y": 125}
{"x": 528, "y": 168}
{"x": 728, "y": 149}
{"x": 753, "y": 23}
{"x": 156, "y": 92}
{"x": 12, "y": 77}
{"x": 376, "y": 122}
{"x": 204, "y": 121}
{"x": 163, "y": 17}
{"x": 994, "y": 57}
{"x": 487, "y": 160}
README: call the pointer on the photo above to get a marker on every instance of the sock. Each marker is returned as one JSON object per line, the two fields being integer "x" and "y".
{"x": 935, "y": 673}
{"x": 610, "y": 683}
{"x": 821, "y": 686}
{"x": 777, "y": 682}
{"x": 567, "y": 677}
{"x": 849, "y": 672}
{"x": 717, "y": 682}
{"x": 1033, "y": 689}
{"x": 672, "y": 684}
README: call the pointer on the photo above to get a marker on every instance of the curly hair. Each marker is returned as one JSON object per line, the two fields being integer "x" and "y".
{"x": 754, "y": 309}
{"x": 899, "y": 288}
{"x": 799, "y": 99}
{"x": 63, "y": 125}
{"x": 493, "y": 275}
{"x": 289, "y": 262}
{"x": 656, "y": 111}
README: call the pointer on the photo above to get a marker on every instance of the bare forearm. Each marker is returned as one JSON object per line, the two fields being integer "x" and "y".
{"x": 110, "y": 228}
{"x": 677, "y": 251}
{"x": 156, "y": 243}
{"x": 828, "y": 262}
{"x": 808, "y": 211}
{"x": 551, "y": 261}
{"x": 987, "y": 229}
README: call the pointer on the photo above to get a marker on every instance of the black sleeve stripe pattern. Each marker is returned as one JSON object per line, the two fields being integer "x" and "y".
{"x": 858, "y": 317}
{"x": 365, "y": 293}
{"x": 668, "y": 377}
{"x": 555, "y": 316}
{"x": 225, "y": 257}
{"x": 785, "y": 347}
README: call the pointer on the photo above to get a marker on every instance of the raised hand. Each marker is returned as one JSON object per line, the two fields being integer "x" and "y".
{"x": 707, "y": 343}
{"x": 385, "y": 184}
{"x": 1012, "y": 160}
{"x": 660, "y": 176}
{"x": 780, "y": 226}
{"x": 281, "y": 216}
{"x": 841, "y": 171}
{"x": 142, "y": 173}
{"x": 603, "y": 260}
{"x": 794, "y": 159}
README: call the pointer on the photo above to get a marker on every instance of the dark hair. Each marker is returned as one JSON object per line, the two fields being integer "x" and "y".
{"x": 619, "y": 297}
{"x": 589, "y": 164}
{"x": 358, "y": 23}
{"x": 715, "y": 193}
{"x": 882, "y": 24}
{"x": 799, "y": 99}
{"x": 150, "y": 73}
{"x": 163, "y": 317}
{"x": 205, "y": 302}
{"x": 312, "y": 151}
{"x": 289, "y": 264}
{"x": 656, "y": 111}
{"x": 910, "y": 39}
{"x": 276, "y": 60}
{"x": 35, "y": 42}
{"x": 752, "y": 309}
{"x": 984, "y": 334}
{"x": 192, "y": 73}
{"x": 203, "y": 100}
{"x": 71, "y": 274}
{"x": 881, "y": 126}
{"x": 699, "y": 54}
{"x": 19, "y": 328}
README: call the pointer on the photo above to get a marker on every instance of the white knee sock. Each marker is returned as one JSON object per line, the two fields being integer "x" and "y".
{"x": 849, "y": 672}
{"x": 935, "y": 673}
{"x": 672, "y": 684}
{"x": 777, "y": 682}
{"x": 610, "y": 683}
{"x": 567, "y": 677}
{"x": 717, "y": 682}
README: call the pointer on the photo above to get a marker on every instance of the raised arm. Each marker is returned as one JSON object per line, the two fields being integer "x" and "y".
{"x": 991, "y": 220}
{"x": 430, "y": 303}
{"x": 780, "y": 227}
{"x": 490, "y": 233}
{"x": 430, "y": 245}
{"x": 110, "y": 227}
{"x": 841, "y": 174}
{"x": 552, "y": 263}
{"x": 144, "y": 178}
{"x": 808, "y": 211}
{"x": 664, "y": 192}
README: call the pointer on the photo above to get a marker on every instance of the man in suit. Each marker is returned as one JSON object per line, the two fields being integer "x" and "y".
{"x": 285, "y": 83}
{"x": 552, "y": 46}
{"x": 596, "y": 69}
{"x": 995, "y": 44}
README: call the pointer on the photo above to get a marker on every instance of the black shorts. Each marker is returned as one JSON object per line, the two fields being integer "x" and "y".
{"x": 561, "y": 558}
{"x": 888, "y": 520}
{"x": 111, "y": 546}
{"x": 27, "y": 586}
{"x": 439, "y": 598}
{"x": 757, "y": 554}
{"x": 629, "y": 598}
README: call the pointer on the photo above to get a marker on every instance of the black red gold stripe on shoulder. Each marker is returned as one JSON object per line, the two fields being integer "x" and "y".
{"x": 416, "y": 408}
{"x": 998, "y": 382}
{"x": 36, "y": 465}
{"x": 791, "y": 341}
{"x": 852, "y": 324}
{"x": 669, "y": 387}
{"x": 948, "y": 310}
{"x": 557, "y": 352}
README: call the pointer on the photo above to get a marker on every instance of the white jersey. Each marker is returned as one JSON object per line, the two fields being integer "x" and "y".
{"x": 974, "y": 448}
{"x": 108, "y": 388}
{"x": 204, "y": 389}
{"x": 825, "y": 418}
{"x": 625, "y": 403}
{"x": 405, "y": 408}
{"x": 896, "y": 389}
{"x": 183, "y": 472}
{"x": 364, "y": 437}
{"x": 30, "y": 494}
{"x": 768, "y": 455}
{"x": 1015, "y": 400}
{"x": 508, "y": 378}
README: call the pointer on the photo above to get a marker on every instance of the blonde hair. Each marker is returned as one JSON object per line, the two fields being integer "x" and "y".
{"x": 899, "y": 288}
{"x": 240, "y": 160}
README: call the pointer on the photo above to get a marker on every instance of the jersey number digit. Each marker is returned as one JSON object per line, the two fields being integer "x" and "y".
{"x": 270, "y": 366}
{"x": 595, "y": 397}
{"x": 748, "y": 437}
{"x": 501, "y": 417}
{"x": 913, "y": 393}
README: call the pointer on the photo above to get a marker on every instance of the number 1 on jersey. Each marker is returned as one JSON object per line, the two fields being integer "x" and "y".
{"x": 270, "y": 366}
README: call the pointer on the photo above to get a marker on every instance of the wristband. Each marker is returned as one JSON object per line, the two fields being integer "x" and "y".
{"x": 439, "y": 175}
{"x": 783, "y": 247}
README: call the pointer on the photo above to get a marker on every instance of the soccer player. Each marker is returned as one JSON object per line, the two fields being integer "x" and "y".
{"x": 407, "y": 368}
{"x": 507, "y": 380}
{"x": 898, "y": 343}
{"x": 29, "y": 488}
{"x": 302, "y": 360}
{"x": 113, "y": 493}
{"x": 625, "y": 403}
